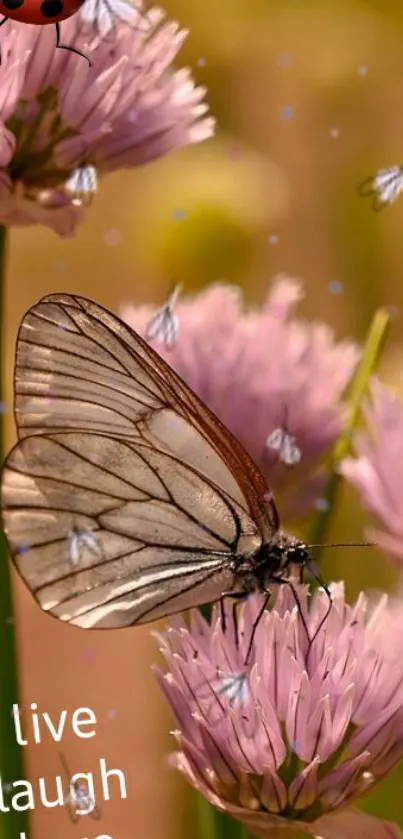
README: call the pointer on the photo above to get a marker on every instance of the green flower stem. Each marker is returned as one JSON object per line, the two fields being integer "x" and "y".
{"x": 212, "y": 824}
{"x": 206, "y": 821}
{"x": 372, "y": 350}
{"x": 13, "y": 824}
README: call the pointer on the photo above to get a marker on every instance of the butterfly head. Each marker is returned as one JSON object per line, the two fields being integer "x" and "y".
{"x": 287, "y": 551}
{"x": 284, "y": 557}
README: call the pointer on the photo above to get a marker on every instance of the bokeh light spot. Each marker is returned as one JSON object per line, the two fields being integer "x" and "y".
{"x": 89, "y": 656}
{"x": 284, "y": 60}
{"x": 335, "y": 287}
{"x": 112, "y": 237}
{"x": 287, "y": 112}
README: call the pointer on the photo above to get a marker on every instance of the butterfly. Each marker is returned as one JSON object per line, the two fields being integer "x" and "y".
{"x": 286, "y": 445}
{"x": 164, "y": 325}
{"x": 383, "y": 187}
{"x": 79, "y": 801}
{"x": 82, "y": 185}
{"x": 113, "y": 444}
{"x": 104, "y": 14}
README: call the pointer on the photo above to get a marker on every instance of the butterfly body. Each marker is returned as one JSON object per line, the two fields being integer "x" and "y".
{"x": 125, "y": 498}
{"x": 79, "y": 801}
{"x": 270, "y": 562}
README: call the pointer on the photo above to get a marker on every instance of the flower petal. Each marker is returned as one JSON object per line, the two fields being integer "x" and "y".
{"x": 353, "y": 824}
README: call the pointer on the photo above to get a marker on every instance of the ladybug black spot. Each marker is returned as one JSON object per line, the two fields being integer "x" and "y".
{"x": 12, "y": 4}
{"x": 51, "y": 8}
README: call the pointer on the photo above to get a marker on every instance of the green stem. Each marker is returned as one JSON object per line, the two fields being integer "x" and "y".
{"x": 13, "y": 824}
{"x": 372, "y": 350}
{"x": 206, "y": 821}
{"x": 212, "y": 824}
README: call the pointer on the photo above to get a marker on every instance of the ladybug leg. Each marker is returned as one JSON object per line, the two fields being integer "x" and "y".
{"x": 60, "y": 46}
{"x": 5, "y": 19}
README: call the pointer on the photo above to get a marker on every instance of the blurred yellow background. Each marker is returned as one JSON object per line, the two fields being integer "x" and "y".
{"x": 308, "y": 98}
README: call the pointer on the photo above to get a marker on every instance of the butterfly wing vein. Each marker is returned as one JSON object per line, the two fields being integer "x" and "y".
{"x": 125, "y": 499}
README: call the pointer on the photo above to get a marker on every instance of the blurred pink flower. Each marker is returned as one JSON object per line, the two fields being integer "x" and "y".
{"x": 60, "y": 117}
{"x": 263, "y": 372}
{"x": 290, "y": 741}
{"x": 386, "y": 624}
{"x": 377, "y": 473}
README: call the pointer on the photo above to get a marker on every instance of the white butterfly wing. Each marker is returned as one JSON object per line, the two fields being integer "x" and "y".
{"x": 78, "y": 367}
{"x": 166, "y": 535}
{"x": 104, "y": 14}
{"x": 119, "y": 459}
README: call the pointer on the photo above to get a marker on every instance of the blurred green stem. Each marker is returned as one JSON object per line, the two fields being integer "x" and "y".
{"x": 212, "y": 824}
{"x": 372, "y": 350}
{"x": 12, "y": 823}
{"x": 206, "y": 821}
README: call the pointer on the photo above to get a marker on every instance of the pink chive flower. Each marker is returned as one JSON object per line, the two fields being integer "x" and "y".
{"x": 377, "y": 472}
{"x": 291, "y": 740}
{"x": 63, "y": 123}
{"x": 387, "y": 625}
{"x": 274, "y": 380}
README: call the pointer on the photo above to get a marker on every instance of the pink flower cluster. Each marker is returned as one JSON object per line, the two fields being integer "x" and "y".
{"x": 261, "y": 372}
{"x": 63, "y": 122}
{"x": 291, "y": 740}
{"x": 377, "y": 472}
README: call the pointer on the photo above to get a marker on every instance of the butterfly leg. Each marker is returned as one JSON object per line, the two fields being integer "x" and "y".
{"x": 235, "y": 606}
{"x": 5, "y": 19}
{"x": 286, "y": 582}
{"x": 237, "y": 596}
{"x": 378, "y": 204}
{"x": 366, "y": 188}
{"x": 256, "y": 622}
{"x": 60, "y": 46}
{"x": 95, "y": 814}
{"x": 298, "y": 605}
{"x": 72, "y": 812}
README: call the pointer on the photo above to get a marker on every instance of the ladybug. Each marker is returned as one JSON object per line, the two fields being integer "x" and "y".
{"x": 101, "y": 13}
{"x": 42, "y": 12}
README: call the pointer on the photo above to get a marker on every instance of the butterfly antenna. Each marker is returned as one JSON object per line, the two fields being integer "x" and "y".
{"x": 366, "y": 188}
{"x": 289, "y": 583}
{"x": 314, "y": 570}
{"x": 344, "y": 545}
{"x": 299, "y": 607}
{"x": 65, "y": 766}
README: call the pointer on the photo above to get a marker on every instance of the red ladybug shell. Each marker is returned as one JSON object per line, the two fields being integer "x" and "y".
{"x": 39, "y": 12}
